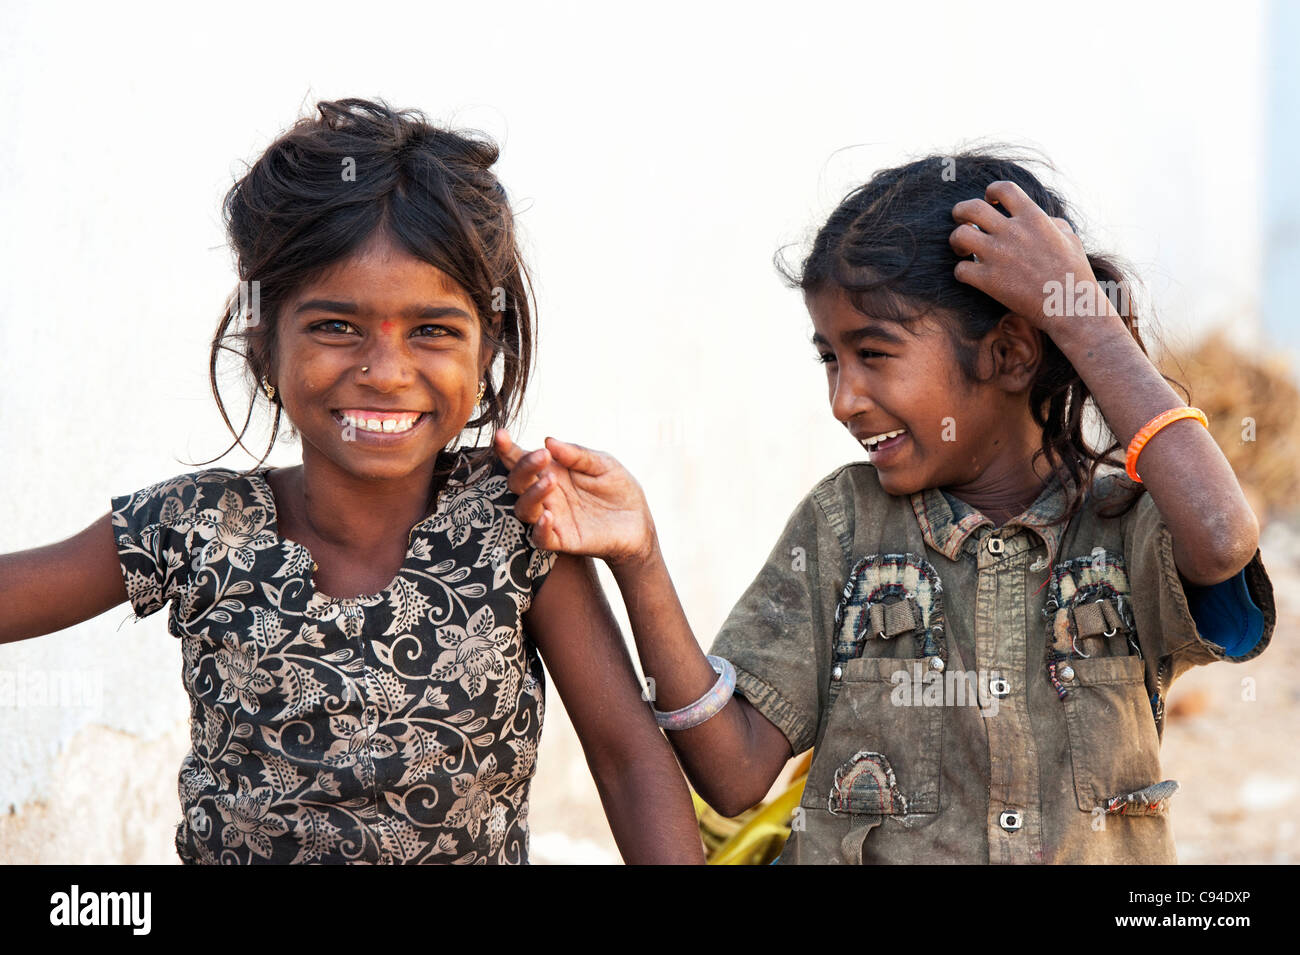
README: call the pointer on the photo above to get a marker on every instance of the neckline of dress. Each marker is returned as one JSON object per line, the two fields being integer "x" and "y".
{"x": 273, "y": 523}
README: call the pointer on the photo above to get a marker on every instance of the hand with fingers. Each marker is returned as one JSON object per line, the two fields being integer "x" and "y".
{"x": 1018, "y": 256}
{"x": 578, "y": 501}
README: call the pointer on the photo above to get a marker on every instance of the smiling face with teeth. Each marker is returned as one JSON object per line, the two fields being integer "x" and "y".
{"x": 975, "y": 439}
{"x": 417, "y": 333}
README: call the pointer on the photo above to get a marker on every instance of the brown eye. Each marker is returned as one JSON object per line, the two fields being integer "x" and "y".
{"x": 333, "y": 321}
{"x": 441, "y": 331}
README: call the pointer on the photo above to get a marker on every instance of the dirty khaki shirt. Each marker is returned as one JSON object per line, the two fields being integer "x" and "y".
{"x": 978, "y": 694}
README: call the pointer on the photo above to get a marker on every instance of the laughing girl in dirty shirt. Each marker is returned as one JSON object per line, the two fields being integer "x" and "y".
{"x": 977, "y": 627}
{"x": 362, "y": 635}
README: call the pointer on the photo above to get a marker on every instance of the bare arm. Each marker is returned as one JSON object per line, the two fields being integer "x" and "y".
{"x": 588, "y": 504}
{"x": 1022, "y": 256}
{"x": 1215, "y": 533}
{"x": 51, "y": 588}
{"x": 733, "y": 758}
{"x": 641, "y": 787}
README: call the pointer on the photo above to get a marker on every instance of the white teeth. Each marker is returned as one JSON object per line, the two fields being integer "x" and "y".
{"x": 388, "y": 425}
{"x": 871, "y": 442}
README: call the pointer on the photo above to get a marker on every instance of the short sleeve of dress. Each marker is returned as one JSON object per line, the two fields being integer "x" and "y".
{"x": 1189, "y": 625}
{"x": 778, "y": 634}
{"x": 540, "y": 563}
{"x": 152, "y": 527}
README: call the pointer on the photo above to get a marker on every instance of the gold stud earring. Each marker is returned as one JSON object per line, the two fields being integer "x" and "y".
{"x": 268, "y": 388}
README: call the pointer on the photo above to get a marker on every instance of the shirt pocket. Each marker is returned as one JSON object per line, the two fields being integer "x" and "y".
{"x": 879, "y": 757}
{"x": 1114, "y": 747}
{"x": 1095, "y": 665}
{"x": 880, "y": 751}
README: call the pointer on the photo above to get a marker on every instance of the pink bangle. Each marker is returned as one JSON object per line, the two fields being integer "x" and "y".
{"x": 707, "y": 706}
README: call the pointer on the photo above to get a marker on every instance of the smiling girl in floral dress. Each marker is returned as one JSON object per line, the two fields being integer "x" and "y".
{"x": 362, "y": 634}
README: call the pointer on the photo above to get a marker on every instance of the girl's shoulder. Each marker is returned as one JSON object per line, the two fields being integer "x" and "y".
{"x": 475, "y": 517}
{"x": 177, "y": 499}
{"x": 159, "y": 528}
{"x": 473, "y": 474}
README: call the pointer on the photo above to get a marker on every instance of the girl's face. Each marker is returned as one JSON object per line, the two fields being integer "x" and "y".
{"x": 417, "y": 334}
{"x": 883, "y": 378}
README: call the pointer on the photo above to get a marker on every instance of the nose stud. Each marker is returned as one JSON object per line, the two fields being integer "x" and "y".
{"x": 364, "y": 369}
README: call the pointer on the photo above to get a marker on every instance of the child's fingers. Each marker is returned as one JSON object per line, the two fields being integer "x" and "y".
{"x": 530, "y": 467}
{"x": 531, "y": 503}
{"x": 980, "y": 213}
{"x": 543, "y": 533}
{"x": 576, "y": 457}
{"x": 506, "y": 449}
{"x": 1011, "y": 197}
{"x": 972, "y": 273}
{"x": 524, "y": 465}
{"x": 967, "y": 239}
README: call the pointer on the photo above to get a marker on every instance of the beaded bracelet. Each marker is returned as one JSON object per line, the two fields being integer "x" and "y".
{"x": 1150, "y": 428}
{"x": 707, "y": 706}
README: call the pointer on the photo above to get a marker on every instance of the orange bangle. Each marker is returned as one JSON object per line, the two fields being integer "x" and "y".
{"x": 1150, "y": 428}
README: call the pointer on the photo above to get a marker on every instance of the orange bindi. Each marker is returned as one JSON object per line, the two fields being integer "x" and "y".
{"x": 386, "y": 325}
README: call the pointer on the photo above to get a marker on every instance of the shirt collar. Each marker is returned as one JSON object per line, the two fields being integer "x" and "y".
{"x": 947, "y": 521}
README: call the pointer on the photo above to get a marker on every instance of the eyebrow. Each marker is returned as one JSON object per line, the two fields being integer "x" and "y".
{"x": 878, "y": 332}
{"x": 350, "y": 308}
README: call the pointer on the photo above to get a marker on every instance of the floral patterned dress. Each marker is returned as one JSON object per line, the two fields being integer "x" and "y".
{"x": 396, "y": 727}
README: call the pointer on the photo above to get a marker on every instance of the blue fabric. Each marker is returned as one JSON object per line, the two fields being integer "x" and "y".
{"x": 1226, "y": 615}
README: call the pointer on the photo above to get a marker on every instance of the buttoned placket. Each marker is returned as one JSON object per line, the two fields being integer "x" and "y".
{"x": 1003, "y": 647}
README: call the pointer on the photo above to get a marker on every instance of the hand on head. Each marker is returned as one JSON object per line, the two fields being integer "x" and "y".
{"x": 1017, "y": 257}
{"x": 578, "y": 501}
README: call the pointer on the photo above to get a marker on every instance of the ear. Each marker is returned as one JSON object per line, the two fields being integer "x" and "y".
{"x": 1017, "y": 347}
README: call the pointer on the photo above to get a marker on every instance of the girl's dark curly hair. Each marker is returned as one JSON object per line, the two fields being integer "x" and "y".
{"x": 326, "y": 186}
{"x": 886, "y": 245}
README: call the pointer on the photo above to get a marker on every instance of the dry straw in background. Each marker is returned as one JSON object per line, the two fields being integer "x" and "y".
{"x": 1235, "y": 390}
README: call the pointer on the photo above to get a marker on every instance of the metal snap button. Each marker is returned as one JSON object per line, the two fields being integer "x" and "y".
{"x": 1066, "y": 674}
{"x": 995, "y": 545}
{"x": 1010, "y": 820}
{"x": 999, "y": 688}
{"x": 936, "y": 664}
{"x": 837, "y": 672}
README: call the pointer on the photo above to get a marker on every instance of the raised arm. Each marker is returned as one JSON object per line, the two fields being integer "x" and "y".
{"x": 589, "y": 504}
{"x": 51, "y": 588}
{"x": 1019, "y": 258}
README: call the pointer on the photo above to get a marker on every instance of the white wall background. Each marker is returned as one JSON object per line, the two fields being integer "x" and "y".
{"x": 659, "y": 154}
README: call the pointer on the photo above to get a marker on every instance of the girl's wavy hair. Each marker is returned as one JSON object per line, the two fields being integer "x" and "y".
{"x": 297, "y": 211}
{"x": 886, "y": 245}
